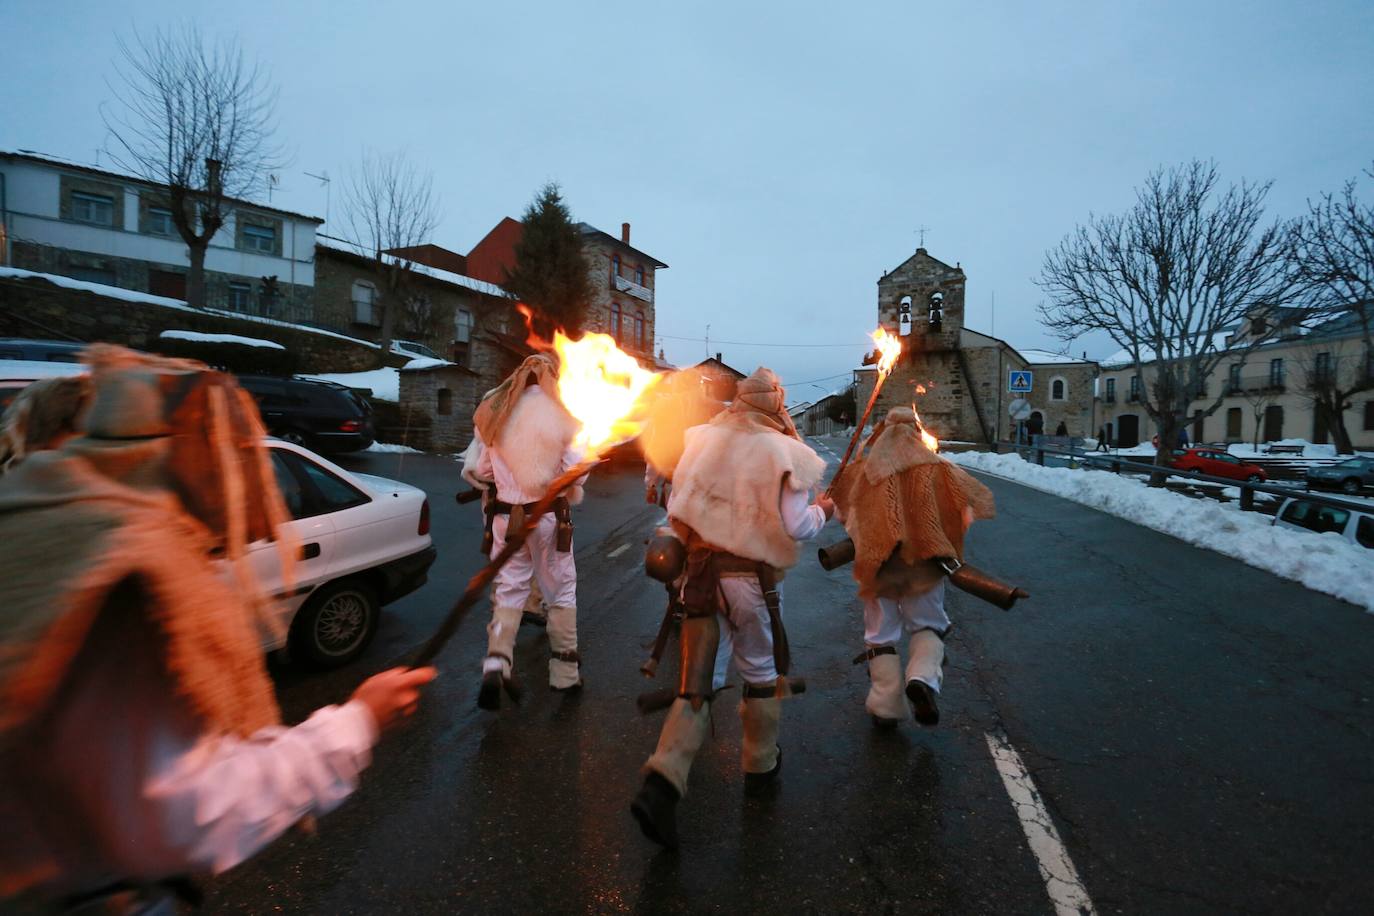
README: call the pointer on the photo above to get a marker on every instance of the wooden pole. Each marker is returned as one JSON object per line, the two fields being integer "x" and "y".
{"x": 858, "y": 431}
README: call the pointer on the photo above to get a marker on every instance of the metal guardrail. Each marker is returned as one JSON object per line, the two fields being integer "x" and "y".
{"x": 1247, "y": 490}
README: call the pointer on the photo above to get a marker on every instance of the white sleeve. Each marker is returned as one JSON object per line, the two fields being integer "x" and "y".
{"x": 478, "y": 472}
{"x": 800, "y": 519}
{"x": 226, "y": 798}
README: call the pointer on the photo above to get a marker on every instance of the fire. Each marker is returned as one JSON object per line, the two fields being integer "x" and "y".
{"x": 920, "y": 389}
{"x": 930, "y": 441}
{"x": 604, "y": 389}
{"x": 889, "y": 348}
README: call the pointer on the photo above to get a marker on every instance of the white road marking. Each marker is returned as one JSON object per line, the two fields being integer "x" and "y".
{"x": 618, "y": 551}
{"x": 1056, "y": 868}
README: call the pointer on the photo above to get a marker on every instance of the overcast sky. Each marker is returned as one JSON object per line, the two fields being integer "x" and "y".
{"x": 778, "y": 156}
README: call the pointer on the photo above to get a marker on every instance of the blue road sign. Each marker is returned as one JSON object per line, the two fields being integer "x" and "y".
{"x": 1019, "y": 381}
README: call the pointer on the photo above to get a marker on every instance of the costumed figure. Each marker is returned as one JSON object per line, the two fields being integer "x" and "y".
{"x": 140, "y": 741}
{"x": 526, "y": 439}
{"x": 906, "y": 509}
{"x": 42, "y": 416}
{"x": 681, "y": 402}
{"x": 740, "y": 503}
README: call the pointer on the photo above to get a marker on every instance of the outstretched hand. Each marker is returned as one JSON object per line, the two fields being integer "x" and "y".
{"x": 394, "y": 694}
{"x": 827, "y": 506}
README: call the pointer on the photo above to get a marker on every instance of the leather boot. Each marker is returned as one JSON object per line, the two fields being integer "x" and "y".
{"x": 924, "y": 675}
{"x": 684, "y": 729}
{"x": 655, "y": 807}
{"x": 885, "y": 703}
{"x": 498, "y": 667}
{"x": 564, "y": 666}
{"x": 761, "y": 757}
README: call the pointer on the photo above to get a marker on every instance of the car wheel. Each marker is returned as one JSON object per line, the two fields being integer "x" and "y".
{"x": 294, "y": 436}
{"x": 336, "y": 624}
{"x": 1350, "y": 485}
{"x": 1254, "y": 478}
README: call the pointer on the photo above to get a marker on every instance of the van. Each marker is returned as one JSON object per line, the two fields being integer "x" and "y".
{"x": 1355, "y": 526}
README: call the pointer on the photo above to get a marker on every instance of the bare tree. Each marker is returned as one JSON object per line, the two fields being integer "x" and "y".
{"x": 1332, "y": 371}
{"x": 1260, "y": 398}
{"x": 1170, "y": 280}
{"x": 390, "y": 205}
{"x": 1334, "y": 245}
{"x": 195, "y": 116}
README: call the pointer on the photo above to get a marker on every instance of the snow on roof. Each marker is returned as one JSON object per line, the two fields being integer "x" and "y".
{"x": 444, "y": 276}
{"x": 129, "y": 295}
{"x": 385, "y": 384}
{"x": 1046, "y": 357}
{"x": 221, "y": 338}
{"x": 425, "y": 362}
{"x": 1123, "y": 356}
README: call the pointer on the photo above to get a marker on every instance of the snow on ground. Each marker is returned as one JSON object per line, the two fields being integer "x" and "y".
{"x": 391, "y": 448}
{"x": 385, "y": 383}
{"x": 1322, "y": 562}
{"x": 221, "y": 338}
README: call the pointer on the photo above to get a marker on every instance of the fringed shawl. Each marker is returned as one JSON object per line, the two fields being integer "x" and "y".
{"x": 496, "y": 408}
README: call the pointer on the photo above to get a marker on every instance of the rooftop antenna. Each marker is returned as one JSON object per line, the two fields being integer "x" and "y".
{"x": 322, "y": 178}
{"x": 994, "y": 313}
{"x": 708, "y": 341}
{"x": 272, "y": 182}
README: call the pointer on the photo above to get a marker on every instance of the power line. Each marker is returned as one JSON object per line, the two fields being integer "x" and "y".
{"x": 747, "y": 343}
{"x": 814, "y": 380}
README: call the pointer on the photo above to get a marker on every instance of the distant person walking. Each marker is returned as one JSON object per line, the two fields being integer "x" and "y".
{"x": 1061, "y": 429}
{"x": 1102, "y": 437}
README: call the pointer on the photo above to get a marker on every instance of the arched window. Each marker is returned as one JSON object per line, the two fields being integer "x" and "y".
{"x": 639, "y": 330}
{"x": 445, "y": 406}
{"x": 1058, "y": 390}
{"x": 615, "y": 321}
{"x": 936, "y": 311}
{"x": 615, "y": 267}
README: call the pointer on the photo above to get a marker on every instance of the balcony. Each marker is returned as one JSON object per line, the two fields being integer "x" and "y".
{"x": 1133, "y": 397}
{"x": 624, "y": 285}
{"x": 1110, "y": 398}
{"x": 1255, "y": 384}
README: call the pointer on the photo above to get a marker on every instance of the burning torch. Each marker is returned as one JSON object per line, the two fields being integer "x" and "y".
{"x": 888, "y": 349}
{"x": 603, "y": 388}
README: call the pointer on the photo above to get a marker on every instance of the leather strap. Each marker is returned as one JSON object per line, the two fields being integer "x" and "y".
{"x": 869, "y": 654}
{"x": 570, "y": 656}
{"x": 503, "y": 657}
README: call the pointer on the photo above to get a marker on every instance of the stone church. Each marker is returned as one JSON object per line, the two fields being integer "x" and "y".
{"x": 957, "y": 377}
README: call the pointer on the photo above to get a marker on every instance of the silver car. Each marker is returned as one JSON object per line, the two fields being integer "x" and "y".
{"x": 1348, "y": 476}
{"x": 1307, "y": 515}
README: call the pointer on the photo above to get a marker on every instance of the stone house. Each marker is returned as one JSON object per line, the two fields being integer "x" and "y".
{"x": 102, "y": 227}
{"x": 956, "y": 377}
{"x": 440, "y": 397}
{"x": 720, "y": 378}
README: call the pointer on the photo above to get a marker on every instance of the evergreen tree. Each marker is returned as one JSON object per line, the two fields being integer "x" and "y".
{"x": 551, "y": 273}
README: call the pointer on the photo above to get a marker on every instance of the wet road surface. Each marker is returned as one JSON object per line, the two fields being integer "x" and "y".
{"x": 1195, "y": 732}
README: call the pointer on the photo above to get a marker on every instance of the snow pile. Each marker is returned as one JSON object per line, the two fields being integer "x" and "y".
{"x": 391, "y": 448}
{"x": 1322, "y": 562}
{"x": 221, "y": 338}
{"x": 425, "y": 362}
{"x": 385, "y": 383}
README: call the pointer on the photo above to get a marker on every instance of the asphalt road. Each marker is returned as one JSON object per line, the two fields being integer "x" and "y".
{"x": 1196, "y": 732}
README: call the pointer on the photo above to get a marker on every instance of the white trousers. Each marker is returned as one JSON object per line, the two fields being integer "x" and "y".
{"x": 556, "y": 575}
{"x": 887, "y": 620}
{"x": 745, "y": 635}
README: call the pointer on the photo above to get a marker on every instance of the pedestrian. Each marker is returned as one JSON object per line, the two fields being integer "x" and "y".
{"x": 1183, "y": 437}
{"x": 1035, "y": 426}
{"x": 740, "y": 503}
{"x": 43, "y": 415}
{"x": 907, "y": 510}
{"x": 140, "y": 741}
{"x": 1103, "y": 439}
{"x": 1062, "y": 430}
{"x": 526, "y": 440}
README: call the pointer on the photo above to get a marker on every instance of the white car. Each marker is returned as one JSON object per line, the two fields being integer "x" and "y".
{"x": 1307, "y": 515}
{"x": 364, "y": 542}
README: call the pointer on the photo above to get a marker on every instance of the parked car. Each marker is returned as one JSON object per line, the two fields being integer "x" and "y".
{"x": 413, "y": 348}
{"x": 1356, "y": 527}
{"x": 1348, "y": 476}
{"x": 364, "y": 542}
{"x": 43, "y": 351}
{"x": 322, "y": 416}
{"x": 1206, "y": 460}
{"x": 16, "y": 374}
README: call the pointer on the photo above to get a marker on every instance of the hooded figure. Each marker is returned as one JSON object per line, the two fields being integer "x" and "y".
{"x": 740, "y": 504}
{"x": 905, "y": 508}
{"x": 524, "y": 440}
{"x": 139, "y": 736}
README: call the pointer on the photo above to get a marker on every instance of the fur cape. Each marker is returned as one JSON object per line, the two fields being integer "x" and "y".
{"x": 728, "y": 483}
{"x": 539, "y": 370}
{"x": 80, "y": 522}
{"x": 534, "y": 441}
{"x": 904, "y": 506}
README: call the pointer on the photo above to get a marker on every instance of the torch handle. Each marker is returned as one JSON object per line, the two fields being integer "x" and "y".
{"x": 858, "y": 431}
{"x": 483, "y": 577}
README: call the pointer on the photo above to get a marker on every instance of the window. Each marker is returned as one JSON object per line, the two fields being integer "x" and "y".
{"x": 639, "y": 330}
{"x": 334, "y": 493}
{"x": 101, "y": 275}
{"x": 1364, "y": 532}
{"x": 462, "y": 326}
{"x": 167, "y": 283}
{"x": 160, "y": 221}
{"x": 1368, "y": 415}
{"x": 96, "y": 209}
{"x": 1111, "y": 391}
{"x": 639, "y": 275}
{"x": 1233, "y": 430}
{"x": 1057, "y": 390}
{"x": 1322, "y": 369}
{"x": 240, "y": 296}
{"x": 289, "y": 486}
{"x": 1275, "y": 373}
{"x": 260, "y": 238}
{"x": 615, "y": 267}
{"x": 1135, "y": 388}
{"x": 364, "y": 296}
{"x": 1233, "y": 379}
{"x": 615, "y": 321}
{"x": 445, "y": 402}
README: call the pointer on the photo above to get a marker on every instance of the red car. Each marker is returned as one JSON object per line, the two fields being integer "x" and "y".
{"x": 1217, "y": 463}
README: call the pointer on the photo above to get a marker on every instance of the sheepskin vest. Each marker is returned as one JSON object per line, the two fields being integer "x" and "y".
{"x": 534, "y": 439}
{"x": 728, "y": 484}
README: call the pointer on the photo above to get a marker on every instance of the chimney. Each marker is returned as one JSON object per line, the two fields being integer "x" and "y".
{"x": 625, "y": 233}
{"x": 718, "y": 359}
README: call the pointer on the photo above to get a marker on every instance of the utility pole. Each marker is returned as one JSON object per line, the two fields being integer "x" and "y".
{"x": 708, "y": 341}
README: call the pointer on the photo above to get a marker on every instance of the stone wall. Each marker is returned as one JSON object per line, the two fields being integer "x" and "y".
{"x": 34, "y": 307}
{"x": 1075, "y": 409}
{"x": 442, "y": 401}
{"x": 291, "y": 302}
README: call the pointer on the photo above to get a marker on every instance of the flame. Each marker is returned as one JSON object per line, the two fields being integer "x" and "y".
{"x": 604, "y": 389}
{"x": 532, "y": 339}
{"x": 931, "y": 442}
{"x": 920, "y": 389}
{"x": 889, "y": 348}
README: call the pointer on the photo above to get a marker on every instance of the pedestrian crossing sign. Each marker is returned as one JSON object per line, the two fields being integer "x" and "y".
{"x": 1019, "y": 381}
